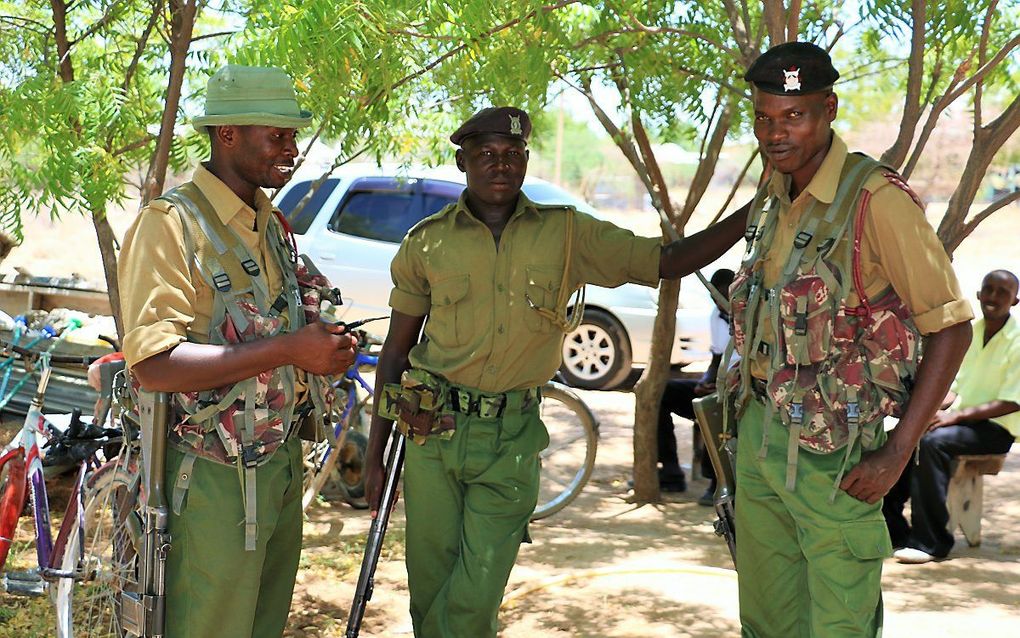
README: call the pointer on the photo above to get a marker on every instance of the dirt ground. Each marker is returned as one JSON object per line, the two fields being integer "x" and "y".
{"x": 603, "y": 567}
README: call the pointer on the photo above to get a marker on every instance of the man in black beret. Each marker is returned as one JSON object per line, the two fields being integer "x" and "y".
{"x": 492, "y": 275}
{"x": 841, "y": 279}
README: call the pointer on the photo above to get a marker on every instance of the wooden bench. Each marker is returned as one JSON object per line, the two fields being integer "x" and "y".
{"x": 965, "y": 499}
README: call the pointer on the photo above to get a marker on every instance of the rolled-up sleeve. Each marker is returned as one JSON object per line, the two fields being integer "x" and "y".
{"x": 411, "y": 291}
{"x": 157, "y": 294}
{"x": 907, "y": 253}
{"x": 607, "y": 255}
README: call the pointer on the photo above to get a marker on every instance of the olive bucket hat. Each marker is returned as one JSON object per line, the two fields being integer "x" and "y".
{"x": 251, "y": 95}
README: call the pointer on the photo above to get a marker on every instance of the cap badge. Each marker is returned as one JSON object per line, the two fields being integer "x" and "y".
{"x": 515, "y": 125}
{"x": 792, "y": 79}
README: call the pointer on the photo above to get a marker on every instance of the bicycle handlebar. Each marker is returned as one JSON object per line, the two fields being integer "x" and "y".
{"x": 82, "y": 360}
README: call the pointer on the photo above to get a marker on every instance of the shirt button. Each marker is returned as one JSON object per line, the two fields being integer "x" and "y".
{"x": 500, "y": 330}
{"x": 499, "y": 287}
{"x": 492, "y": 369}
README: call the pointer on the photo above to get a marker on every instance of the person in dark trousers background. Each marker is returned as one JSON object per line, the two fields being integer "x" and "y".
{"x": 679, "y": 394}
{"x": 981, "y": 415}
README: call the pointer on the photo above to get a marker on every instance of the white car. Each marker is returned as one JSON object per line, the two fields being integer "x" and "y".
{"x": 353, "y": 223}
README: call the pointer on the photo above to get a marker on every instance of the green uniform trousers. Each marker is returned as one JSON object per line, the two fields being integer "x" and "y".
{"x": 214, "y": 587}
{"x": 468, "y": 501}
{"x": 805, "y": 567}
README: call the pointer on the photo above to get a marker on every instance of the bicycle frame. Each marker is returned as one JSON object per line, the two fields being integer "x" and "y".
{"x": 23, "y": 455}
{"x": 353, "y": 374}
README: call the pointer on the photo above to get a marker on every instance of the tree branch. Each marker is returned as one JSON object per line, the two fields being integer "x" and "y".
{"x": 139, "y": 143}
{"x": 208, "y": 36}
{"x": 454, "y": 51}
{"x": 982, "y": 54}
{"x": 998, "y": 204}
{"x": 19, "y": 21}
{"x": 793, "y": 20}
{"x": 897, "y": 151}
{"x": 736, "y": 185}
{"x": 106, "y": 19}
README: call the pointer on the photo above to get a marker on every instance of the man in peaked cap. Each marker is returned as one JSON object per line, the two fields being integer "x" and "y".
{"x": 841, "y": 279}
{"x": 213, "y": 314}
{"x": 493, "y": 274}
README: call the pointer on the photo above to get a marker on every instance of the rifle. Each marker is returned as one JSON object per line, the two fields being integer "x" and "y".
{"x": 142, "y": 613}
{"x": 720, "y": 447}
{"x": 373, "y": 545}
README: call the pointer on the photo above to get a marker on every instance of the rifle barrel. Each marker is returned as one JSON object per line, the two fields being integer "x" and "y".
{"x": 376, "y": 533}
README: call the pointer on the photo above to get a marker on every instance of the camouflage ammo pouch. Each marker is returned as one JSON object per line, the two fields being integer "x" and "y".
{"x": 833, "y": 370}
{"x": 417, "y": 406}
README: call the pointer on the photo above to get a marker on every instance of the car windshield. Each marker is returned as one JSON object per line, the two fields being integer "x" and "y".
{"x": 545, "y": 193}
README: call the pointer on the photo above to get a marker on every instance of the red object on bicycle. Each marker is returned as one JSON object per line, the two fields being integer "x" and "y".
{"x": 12, "y": 502}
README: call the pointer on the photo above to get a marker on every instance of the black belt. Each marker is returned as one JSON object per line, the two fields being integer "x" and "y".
{"x": 487, "y": 406}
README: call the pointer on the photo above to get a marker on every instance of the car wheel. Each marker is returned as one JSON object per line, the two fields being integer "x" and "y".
{"x": 597, "y": 355}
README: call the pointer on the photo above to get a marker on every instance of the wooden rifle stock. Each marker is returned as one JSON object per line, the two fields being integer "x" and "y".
{"x": 373, "y": 545}
{"x": 718, "y": 444}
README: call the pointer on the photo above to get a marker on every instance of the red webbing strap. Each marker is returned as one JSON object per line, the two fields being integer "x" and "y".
{"x": 288, "y": 232}
{"x": 864, "y": 310}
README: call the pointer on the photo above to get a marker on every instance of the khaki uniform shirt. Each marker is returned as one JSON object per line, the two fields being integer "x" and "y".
{"x": 481, "y": 331}
{"x": 898, "y": 248}
{"x": 164, "y": 299}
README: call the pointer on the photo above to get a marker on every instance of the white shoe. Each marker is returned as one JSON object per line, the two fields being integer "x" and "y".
{"x": 911, "y": 556}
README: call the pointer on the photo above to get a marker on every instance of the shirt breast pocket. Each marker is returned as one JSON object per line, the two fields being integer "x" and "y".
{"x": 449, "y": 315}
{"x": 542, "y": 289}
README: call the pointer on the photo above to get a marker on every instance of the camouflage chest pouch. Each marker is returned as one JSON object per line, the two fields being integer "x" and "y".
{"x": 417, "y": 406}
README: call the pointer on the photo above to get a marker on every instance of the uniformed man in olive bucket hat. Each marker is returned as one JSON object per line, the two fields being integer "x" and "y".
{"x": 494, "y": 274}
{"x": 214, "y": 307}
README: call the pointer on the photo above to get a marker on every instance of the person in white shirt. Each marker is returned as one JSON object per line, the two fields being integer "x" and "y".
{"x": 679, "y": 394}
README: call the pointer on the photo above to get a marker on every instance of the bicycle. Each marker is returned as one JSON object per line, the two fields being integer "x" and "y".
{"x": 568, "y": 461}
{"x": 341, "y": 464}
{"x": 21, "y": 467}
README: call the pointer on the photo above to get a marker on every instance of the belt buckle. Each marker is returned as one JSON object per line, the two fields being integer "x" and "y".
{"x": 250, "y": 455}
{"x": 491, "y": 407}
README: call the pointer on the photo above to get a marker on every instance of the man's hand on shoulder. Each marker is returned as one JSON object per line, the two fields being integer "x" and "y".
{"x": 321, "y": 348}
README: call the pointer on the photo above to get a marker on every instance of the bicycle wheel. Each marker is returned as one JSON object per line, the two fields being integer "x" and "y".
{"x": 107, "y": 562}
{"x": 340, "y": 474}
{"x": 12, "y": 502}
{"x": 573, "y": 440}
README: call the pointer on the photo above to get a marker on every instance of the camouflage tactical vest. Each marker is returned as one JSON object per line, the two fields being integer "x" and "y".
{"x": 244, "y": 423}
{"x": 834, "y": 371}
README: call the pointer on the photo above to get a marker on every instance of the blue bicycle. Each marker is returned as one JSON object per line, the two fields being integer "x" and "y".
{"x": 337, "y": 472}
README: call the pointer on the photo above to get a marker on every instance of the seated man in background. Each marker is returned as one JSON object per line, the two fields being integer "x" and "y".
{"x": 984, "y": 419}
{"x": 679, "y": 394}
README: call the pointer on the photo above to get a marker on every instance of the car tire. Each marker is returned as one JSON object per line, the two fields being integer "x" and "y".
{"x": 597, "y": 355}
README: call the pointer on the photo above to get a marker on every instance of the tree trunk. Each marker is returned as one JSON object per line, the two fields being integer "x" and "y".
{"x": 182, "y": 26}
{"x": 108, "y": 251}
{"x": 648, "y": 395}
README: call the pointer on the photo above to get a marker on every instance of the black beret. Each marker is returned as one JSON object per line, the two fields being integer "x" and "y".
{"x": 507, "y": 121}
{"x": 794, "y": 68}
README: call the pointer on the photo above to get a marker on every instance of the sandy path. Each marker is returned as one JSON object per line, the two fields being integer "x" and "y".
{"x": 670, "y": 575}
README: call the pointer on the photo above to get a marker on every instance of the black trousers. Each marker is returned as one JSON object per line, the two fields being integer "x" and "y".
{"x": 678, "y": 399}
{"x": 927, "y": 483}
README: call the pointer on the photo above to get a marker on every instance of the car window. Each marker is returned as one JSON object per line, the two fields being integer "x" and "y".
{"x": 542, "y": 193}
{"x": 436, "y": 203}
{"x": 300, "y": 222}
{"x": 380, "y": 215}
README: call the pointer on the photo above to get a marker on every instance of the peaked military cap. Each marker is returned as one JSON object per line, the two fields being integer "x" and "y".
{"x": 794, "y": 68}
{"x": 507, "y": 121}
